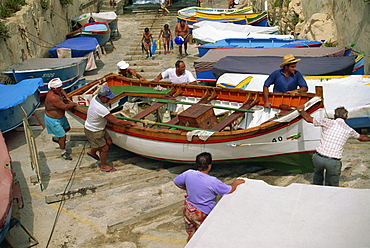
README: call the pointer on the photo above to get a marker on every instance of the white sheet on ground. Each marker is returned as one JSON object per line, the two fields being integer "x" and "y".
{"x": 261, "y": 215}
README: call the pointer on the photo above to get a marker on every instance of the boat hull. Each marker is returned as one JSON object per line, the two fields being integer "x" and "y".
{"x": 190, "y": 11}
{"x": 7, "y": 188}
{"x": 256, "y": 43}
{"x": 27, "y": 97}
{"x": 282, "y": 144}
{"x": 69, "y": 70}
{"x": 98, "y": 30}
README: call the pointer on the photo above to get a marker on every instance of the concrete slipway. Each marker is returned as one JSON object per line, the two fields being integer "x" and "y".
{"x": 137, "y": 206}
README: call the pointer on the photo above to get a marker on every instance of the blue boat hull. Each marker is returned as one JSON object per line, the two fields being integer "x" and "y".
{"x": 13, "y": 117}
{"x": 70, "y": 71}
{"x": 256, "y": 43}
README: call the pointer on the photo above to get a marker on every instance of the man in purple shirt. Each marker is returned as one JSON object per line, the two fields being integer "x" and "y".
{"x": 202, "y": 190}
{"x": 285, "y": 80}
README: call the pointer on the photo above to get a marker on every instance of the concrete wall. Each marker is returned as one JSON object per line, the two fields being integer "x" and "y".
{"x": 43, "y": 29}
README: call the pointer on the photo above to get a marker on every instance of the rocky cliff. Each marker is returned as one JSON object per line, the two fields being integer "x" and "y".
{"x": 34, "y": 30}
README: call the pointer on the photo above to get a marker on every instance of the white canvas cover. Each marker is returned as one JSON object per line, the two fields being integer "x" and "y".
{"x": 209, "y": 31}
{"x": 351, "y": 91}
{"x": 300, "y": 215}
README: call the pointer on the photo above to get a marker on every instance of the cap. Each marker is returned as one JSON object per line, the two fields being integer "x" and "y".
{"x": 289, "y": 59}
{"x": 105, "y": 91}
{"x": 123, "y": 65}
{"x": 55, "y": 83}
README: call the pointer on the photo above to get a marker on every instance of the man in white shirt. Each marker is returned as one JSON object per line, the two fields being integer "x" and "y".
{"x": 95, "y": 130}
{"x": 178, "y": 75}
{"x": 334, "y": 136}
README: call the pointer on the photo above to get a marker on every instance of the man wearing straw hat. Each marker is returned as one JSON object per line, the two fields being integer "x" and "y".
{"x": 125, "y": 71}
{"x": 285, "y": 80}
{"x": 55, "y": 120}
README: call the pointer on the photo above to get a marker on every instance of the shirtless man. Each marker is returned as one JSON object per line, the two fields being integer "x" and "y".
{"x": 55, "y": 121}
{"x": 147, "y": 41}
{"x": 182, "y": 29}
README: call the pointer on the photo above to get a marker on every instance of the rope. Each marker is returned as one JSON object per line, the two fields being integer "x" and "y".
{"x": 68, "y": 186}
{"x": 24, "y": 33}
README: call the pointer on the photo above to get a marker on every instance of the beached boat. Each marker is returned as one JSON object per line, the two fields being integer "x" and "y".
{"x": 256, "y": 19}
{"x": 232, "y": 124}
{"x": 13, "y": 97}
{"x": 108, "y": 17}
{"x": 204, "y": 65}
{"x": 190, "y": 11}
{"x": 351, "y": 91}
{"x": 259, "y": 19}
{"x": 308, "y": 66}
{"x": 6, "y": 188}
{"x": 256, "y": 43}
{"x": 99, "y": 30}
{"x": 69, "y": 70}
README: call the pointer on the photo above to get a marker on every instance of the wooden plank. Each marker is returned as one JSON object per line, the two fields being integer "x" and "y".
{"x": 228, "y": 120}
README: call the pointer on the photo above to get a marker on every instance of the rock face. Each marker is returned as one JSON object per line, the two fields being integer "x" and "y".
{"x": 336, "y": 21}
{"x": 33, "y": 31}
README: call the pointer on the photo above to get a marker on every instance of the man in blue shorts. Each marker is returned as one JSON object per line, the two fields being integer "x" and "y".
{"x": 285, "y": 80}
{"x": 56, "y": 103}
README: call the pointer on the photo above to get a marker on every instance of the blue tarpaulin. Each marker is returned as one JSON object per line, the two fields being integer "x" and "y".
{"x": 14, "y": 94}
{"x": 80, "y": 46}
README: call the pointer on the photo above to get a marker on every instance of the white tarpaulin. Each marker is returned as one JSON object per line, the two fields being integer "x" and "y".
{"x": 352, "y": 92}
{"x": 261, "y": 215}
{"x": 209, "y": 31}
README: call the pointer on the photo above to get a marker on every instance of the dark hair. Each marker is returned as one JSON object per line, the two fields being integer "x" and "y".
{"x": 146, "y": 29}
{"x": 177, "y": 64}
{"x": 165, "y": 25}
{"x": 341, "y": 112}
{"x": 203, "y": 160}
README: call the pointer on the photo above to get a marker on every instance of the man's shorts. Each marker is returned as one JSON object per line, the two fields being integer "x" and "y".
{"x": 56, "y": 126}
{"x": 97, "y": 139}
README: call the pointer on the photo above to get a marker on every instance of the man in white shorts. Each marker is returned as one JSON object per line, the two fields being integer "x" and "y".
{"x": 178, "y": 75}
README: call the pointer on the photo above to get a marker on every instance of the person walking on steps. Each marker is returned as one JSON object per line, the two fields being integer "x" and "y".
{"x": 182, "y": 29}
{"x": 56, "y": 104}
{"x": 95, "y": 127}
{"x": 147, "y": 41}
{"x": 166, "y": 37}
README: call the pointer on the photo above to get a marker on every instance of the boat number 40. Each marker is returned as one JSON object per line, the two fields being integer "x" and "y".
{"x": 277, "y": 139}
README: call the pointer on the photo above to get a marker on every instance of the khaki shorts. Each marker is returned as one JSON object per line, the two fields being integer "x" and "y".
{"x": 97, "y": 139}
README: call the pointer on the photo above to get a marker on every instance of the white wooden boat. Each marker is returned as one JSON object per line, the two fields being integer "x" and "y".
{"x": 232, "y": 124}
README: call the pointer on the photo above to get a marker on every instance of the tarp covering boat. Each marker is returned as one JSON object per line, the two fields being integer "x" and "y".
{"x": 309, "y": 66}
{"x": 298, "y": 215}
{"x": 80, "y": 46}
{"x": 208, "y": 31}
{"x": 351, "y": 91}
{"x": 204, "y": 65}
{"x": 14, "y": 94}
